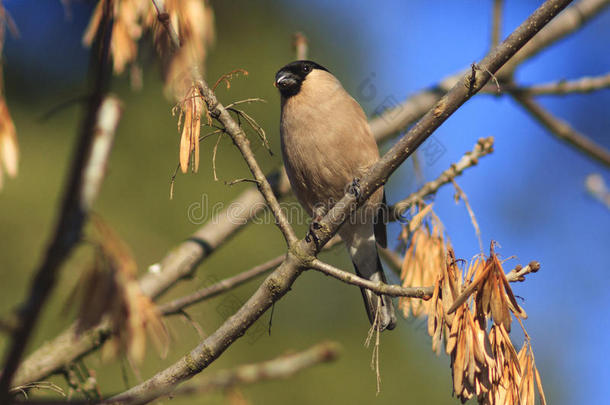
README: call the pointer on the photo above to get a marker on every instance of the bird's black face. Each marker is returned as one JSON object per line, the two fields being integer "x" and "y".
{"x": 289, "y": 79}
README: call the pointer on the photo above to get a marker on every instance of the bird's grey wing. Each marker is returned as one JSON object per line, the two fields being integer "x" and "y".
{"x": 381, "y": 235}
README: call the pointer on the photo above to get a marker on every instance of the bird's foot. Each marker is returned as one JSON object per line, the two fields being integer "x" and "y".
{"x": 313, "y": 227}
{"x": 354, "y": 188}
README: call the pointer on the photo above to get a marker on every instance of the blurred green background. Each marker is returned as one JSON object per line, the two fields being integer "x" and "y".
{"x": 47, "y": 66}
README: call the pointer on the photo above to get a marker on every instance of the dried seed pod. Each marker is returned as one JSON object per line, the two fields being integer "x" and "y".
{"x": 110, "y": 290}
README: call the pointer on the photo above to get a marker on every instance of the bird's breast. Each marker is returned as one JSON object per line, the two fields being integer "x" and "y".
{"x": 324, "y": 146}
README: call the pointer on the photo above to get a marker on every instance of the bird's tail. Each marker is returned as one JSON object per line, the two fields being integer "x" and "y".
{"x": 373, "y": 302}
{"x": 362, "y": 247}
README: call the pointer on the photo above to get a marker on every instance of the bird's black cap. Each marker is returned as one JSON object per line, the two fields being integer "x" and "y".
{"x": 290, "y": 78}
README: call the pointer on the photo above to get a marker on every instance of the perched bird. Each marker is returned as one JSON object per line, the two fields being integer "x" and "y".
{"x": 327, "y": 145}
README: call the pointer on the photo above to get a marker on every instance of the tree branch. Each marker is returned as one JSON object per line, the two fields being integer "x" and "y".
{"x": 396, "y": 119}
{"x": 279, "y": 368}
{"x": 276, "y": 369}
{"x": 563, "y": 130}
{"x": 562, "y": 87}
{"x": 217, "y": 111}
{"x": 379, "y": 288}
{"x": 181, "y": 262}
{"x": 519, "y": 272}
{"x": 301, "y": 253}
{"x": 483, "y": 147}
{"x": 220, "y": 113}
{"x": 164, "y": 19}
{"x": 84, "y": 179}
{"x": 178, "y": 305}
{"x": 516, "y": 274}
{"x": 178, "y": 264}
{"x": 569, "y": 21}
{"x": 496, "y": 23}
{"x": 300, "y": 46}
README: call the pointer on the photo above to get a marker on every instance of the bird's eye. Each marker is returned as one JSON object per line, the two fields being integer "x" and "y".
{"x": 306, "y": 68}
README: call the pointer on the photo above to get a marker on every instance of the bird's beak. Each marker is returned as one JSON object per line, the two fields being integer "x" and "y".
{"x": 284, "y": 80}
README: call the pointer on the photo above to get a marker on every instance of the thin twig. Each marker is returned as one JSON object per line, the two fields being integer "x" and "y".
{"x": 214, "y": 155}
{"x": 375, "y": 330}
{"x": 564, "y": 87}
{"x": 516, "y": 274}
{"x": 483, "y": 147}
{"x": 220, "y": 113}
{"x": 246, "y": 101}
{"x": 519, "y": 272}
{"x": 563, "y": 130}
{"x": 379, "y": 288}
{"x": 217, "y": 111}
{"x": 424, "y": 292}
{"x": 461, "y": 195}
{"x": 179, "y": 304}
{"x": 299, "y": 43}
{"x": 496, "y": 24}
{"x": 84, "y": 179}
{"x": 164, "y": 19}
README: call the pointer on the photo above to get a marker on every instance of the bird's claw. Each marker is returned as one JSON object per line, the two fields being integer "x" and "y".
{"x": 311, "y": 234}
{"x": 354, "y": 187}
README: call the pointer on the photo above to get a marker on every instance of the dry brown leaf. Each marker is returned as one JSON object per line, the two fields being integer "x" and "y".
{"x": 191, "y": 108}
{"x": 9, "y": 151}
{"x": 110, "y": 289}
{"x": 424, "y": 259}
{"x": 127, "y": 29}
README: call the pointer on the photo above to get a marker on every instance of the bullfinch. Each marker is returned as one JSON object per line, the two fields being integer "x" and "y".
{"x": 327, "y": 145}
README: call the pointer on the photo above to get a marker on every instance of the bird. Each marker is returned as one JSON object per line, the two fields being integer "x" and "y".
{"x": 327, "y": 146}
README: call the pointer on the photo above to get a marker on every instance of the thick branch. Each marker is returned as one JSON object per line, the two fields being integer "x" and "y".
{"x": 84, "y": 179}
{"x": 179, "y": 263}
{"x": 568, "y": 22}
{"x": 276, "y": 369}
{"x": 279, "y": 368}
{"x": 469, "y": 85}
{"x": 301, "y": 254}
{"x": 396, "y": 119}
{"x": 563, "y": 130}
